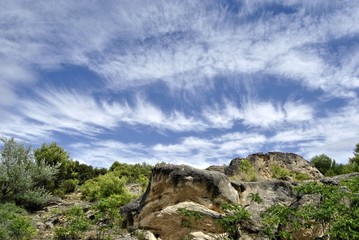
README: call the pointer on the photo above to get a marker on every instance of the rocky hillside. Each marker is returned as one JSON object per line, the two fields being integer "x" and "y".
{"x": 182, "y": 202}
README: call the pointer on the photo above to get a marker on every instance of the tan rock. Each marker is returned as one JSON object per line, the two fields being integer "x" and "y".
{"x": 203, "y": 236}
{"x": 170, "y": 224}
{"x": 265, "y": 165}
{"x": 172, "y": 187}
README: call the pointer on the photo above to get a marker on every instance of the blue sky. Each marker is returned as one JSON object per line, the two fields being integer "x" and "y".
{"x": 194, "y": 82}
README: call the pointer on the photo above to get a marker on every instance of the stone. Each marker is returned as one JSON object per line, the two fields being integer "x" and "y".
{"x": 144, "y": 235}
{"x": 264, "y": 164}
{"x": 202, "y": 236}
{"x": 149, "y": 236}
{"x": 170, "y": 187}
{"x": 168, "y": 221}
{"x": 216, "y": 168}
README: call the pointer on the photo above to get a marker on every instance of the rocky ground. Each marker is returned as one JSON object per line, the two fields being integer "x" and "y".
{"x": 173, "y": 188}
{"x": 52, "y": 216}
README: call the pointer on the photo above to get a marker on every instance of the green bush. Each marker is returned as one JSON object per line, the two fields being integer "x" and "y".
{"x": 76, "y": 224}
{"x": 136, "y": 173}
{"x": 22, "y": 179}
{"x": 33, "y": 199}
{"x": 14, "y": 224}
{"x": 248, "y": 171}
{"x": 255, "y": 197}
{"x": 104, "y": 186}
{"x": 90, "y": 190}
{"x": 68, "y": 186}
{"x": 279, "y": 172}
{"x": 107, "y": 215}
{"x": 337, "y": 211}
{"x": 189, "y": 216}
{"x": 231, "y": 221}
{"x": 301, "y": 176}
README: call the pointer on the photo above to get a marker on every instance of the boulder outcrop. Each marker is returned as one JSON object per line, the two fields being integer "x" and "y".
{"x": 173, "y": 187}
{"x": 177, "y": 193}
{"x": 274, "y": 165}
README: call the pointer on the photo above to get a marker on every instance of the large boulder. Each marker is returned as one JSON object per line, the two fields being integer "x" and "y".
{"x": 178, "y": 186}
{"x": 274, "y": 165}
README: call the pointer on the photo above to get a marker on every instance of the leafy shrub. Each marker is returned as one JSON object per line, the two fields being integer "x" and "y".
{"x": 248, "y": 171}
{"x": 33, "y": 199}
{"x": 143, "y": 180}
{"x": 279, "y": 172}
{"x": 189, "y": 216}
{"x": 235, "y": 215}
{"x": 104, "y": 186}
{"x": 300, "y": 176}
{"x": 22, "y": 178}
{"x": 255, "y": 197}
{"x": 274, "y": 218}
{"x": 76, "y": 224}
{"x": 135, "y": 173}
{"x": 107, "y": 216}
{"x": 337, "y": 211}
{"x": 14, "y": 224}
{"x": 68, "y": 186}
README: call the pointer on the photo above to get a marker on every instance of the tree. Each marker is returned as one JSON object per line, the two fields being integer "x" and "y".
{"x": 324, "y": 164}
{"x": 135, "y": 173}
{"x": 55, "y": 155}
{"x": 21, "y": 177}
{"x": 354, "y": 161}
{"x": 69, "y": 170}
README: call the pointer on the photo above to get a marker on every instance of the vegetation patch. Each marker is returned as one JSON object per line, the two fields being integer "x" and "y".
{"x": 337, "y": 212}
{"x": 234, "y": 216}
{"x": 282, "y": 173}
{"x": 255, "y": 197}
{"x": 189, "y": 216}
{"x": 15, "y": 223}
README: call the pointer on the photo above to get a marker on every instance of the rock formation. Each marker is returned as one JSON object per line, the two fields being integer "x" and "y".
{"x": 268, "y": 165}
{"x": 175, "y": 193}
{"x": 174, "y": 187}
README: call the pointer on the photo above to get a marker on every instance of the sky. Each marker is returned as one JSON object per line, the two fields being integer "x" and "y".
{"x": 195, "y": 82}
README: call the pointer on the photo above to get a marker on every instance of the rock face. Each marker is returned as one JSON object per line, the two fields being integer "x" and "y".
{"x": 274, "y": 165}
{"x": 173, "y": 188}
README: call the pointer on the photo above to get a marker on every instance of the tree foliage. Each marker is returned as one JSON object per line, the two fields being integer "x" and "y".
{"x": 336, "y": 211}
{"x": 354, "y": 161}
{"x": 135, "y": 173}
{"x": 323, "y": 163}
{"x": 22, "y": 179}
{"x": 328, "y": 166}
{"x": 104, "y": 186}
{"x": 70, "y": 173}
